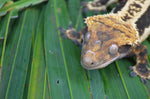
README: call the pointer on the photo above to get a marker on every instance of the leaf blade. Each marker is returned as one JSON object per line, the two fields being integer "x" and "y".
{"x": 38, "y": 70}
{"x": 19, "y": 67}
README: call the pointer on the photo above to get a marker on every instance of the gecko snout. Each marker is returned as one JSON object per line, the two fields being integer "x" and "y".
{"x": 87, "y": 59}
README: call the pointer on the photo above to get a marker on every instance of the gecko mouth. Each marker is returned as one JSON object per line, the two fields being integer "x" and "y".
{"x": 98, "y": 65}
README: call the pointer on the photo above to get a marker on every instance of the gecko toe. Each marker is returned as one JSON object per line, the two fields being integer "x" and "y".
{"x": 70, "y": 25}
{"x": 84, "y": 3}
{"x": 76, "y": 42}
{"x": 133, "y": 74}
{"x": 62, "y": 30}
{"x": 130, "y": 67}
{"x": 143, "y": 81}
{"x": 63, "y": 35}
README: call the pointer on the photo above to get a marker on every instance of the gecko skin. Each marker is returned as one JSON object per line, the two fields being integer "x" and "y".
{"x": 109, "y": 37}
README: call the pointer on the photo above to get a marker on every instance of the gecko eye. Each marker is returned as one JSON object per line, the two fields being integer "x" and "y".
{"x": 87, "y": 36}
{"x": 113, "y": 49}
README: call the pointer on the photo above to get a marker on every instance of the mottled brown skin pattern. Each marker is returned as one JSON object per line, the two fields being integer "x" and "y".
{"x": 142, "y": 60}
{"x": 133, "y": 8}
{"x": 123, "y": 33}
{"x": 143, "y": 22}
{"x": 125, "y": 29}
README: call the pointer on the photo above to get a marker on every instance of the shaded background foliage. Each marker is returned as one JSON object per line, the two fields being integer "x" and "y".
{"x": 37, "y": 63}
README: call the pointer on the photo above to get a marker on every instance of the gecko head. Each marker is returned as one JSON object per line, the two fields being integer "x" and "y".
{"x": 106, "y": 41}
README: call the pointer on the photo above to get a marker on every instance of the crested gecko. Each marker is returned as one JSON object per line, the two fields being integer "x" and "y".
{"x": 109, "y": 37}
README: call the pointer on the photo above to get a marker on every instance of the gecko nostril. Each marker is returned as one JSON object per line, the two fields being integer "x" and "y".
{"x": 92, "y": 63}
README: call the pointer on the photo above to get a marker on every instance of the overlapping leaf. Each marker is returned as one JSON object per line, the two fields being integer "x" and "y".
{"x": 9, "y": 5}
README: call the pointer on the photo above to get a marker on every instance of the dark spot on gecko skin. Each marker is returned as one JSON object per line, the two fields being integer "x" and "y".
{"x": 136, "y": 5}
{"x": 75, "y": 34}
{"x": 120, "y": 5}
{"x": 84, "y": 30}
{"x": 134, "y": 8}
{"x": 143, "y": 22}
{"x": 101, "y": 22}
{"x": 103, "y": 36}
{"x": 109, "y": 26}
{"x": 142, "y": 69}
{"x": 118, "y": 30}
{"x": 143, "y": 53}
{"x": 103, "y": 2}
{"x": 126, "y": 17}
{"x": 143, "y": 60}
{"x": 138, "y": 47}
{"x": 125, "y": 25}
{"x": 141, "y": 66}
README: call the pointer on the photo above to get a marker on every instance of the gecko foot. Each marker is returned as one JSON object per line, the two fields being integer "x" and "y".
{"x": 143, "y": 81}
{"x": 62, "y": 32}
{"x": 142, "y": 72}
{"x": 133, "y": 74}
{"x": 71, "y": 34}
{"x": 130, "y": 67}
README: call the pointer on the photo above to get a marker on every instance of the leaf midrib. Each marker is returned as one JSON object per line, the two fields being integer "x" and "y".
{"x": 62, "y": 49}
